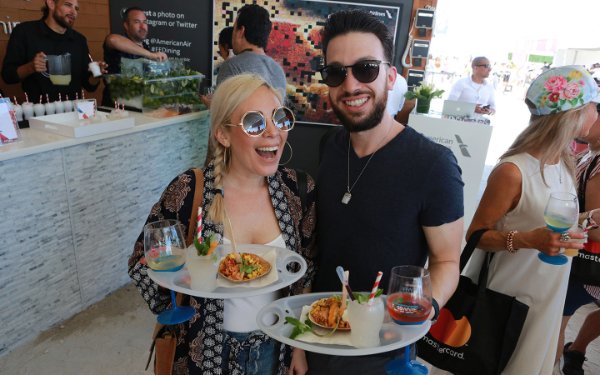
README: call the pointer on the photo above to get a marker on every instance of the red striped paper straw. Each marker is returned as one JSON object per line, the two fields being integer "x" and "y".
{"x": 199, "y": 226}
{"x": 375, "y": 287}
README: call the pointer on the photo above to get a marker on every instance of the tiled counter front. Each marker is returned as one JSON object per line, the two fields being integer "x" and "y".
{"x": 70, "y": 216}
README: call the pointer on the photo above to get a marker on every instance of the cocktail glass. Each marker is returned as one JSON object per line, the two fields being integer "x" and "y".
{"x": 202, "y": 270}
{"x": 560, "y": 215}
{"x": 408, "y": 302}
{"x": 365, "y": 322}
{"x": 164, "y": 250}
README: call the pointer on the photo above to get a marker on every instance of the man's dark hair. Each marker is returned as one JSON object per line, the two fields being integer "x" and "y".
{"x": 130, "y": 9}
{"x": 256, "y": 22}
{"x": 225, "y": 37}
{"x": 347, "y": 21}
{"x": 45, "y": 10}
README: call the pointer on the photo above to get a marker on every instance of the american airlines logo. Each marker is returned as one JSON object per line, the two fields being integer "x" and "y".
{"x": 448, "y": 142}
{"x": 463, "y": 147}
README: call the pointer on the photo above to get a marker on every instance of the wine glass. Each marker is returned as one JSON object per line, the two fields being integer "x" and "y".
{"x": 561, "y": 213}
{"x": 164, "y": 250}
{"x": 409, "y": 303}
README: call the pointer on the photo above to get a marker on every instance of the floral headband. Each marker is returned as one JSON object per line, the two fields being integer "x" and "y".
{"x": 561, "y": 89}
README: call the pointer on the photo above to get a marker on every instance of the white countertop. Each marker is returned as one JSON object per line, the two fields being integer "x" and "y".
{"x": 33, "y": 141}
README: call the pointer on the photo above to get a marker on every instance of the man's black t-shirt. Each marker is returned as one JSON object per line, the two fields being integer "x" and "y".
{"x": 409, "y": 183}
{"x": 29, "y": 38}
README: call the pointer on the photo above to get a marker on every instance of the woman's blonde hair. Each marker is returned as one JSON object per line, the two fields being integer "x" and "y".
{"x": 550, "y": 136}
{"x": 227, "y": 97}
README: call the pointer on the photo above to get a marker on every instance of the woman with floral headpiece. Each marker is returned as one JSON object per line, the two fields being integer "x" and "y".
{"x": 562, "y": 102}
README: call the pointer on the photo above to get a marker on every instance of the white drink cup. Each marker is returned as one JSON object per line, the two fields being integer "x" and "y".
{"x": 27, "y": 110}
{"x": 68, "y": 105}
{"x": 202, "y": 270}
{"x": 365, "y": 322}
{"x": 95, "y": 69}
{"x": 39, "y": 109}
{"x": 50, "y": 108}
{"x": 18, "y": 112}
{"x": 59, "y": 107}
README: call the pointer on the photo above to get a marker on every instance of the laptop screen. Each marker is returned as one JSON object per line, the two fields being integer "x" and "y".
{"x": 456, "y": 108}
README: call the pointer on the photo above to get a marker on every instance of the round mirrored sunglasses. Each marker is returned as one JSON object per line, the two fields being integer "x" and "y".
{"x": 365, "y": 71}
{"x": 254, "y": 123}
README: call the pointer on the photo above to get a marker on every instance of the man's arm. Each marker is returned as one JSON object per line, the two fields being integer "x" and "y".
{"x": 455, "y": 91}
{"x": 444, "y": 258}
{"x": 16, "y": 66}
{"x": 120, "y": 43}
{"x": 492, "y": 102}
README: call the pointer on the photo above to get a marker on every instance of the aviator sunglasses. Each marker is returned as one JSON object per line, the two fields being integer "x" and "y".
{"x": 254, "y": 123}
{"x": 365, "y": 71}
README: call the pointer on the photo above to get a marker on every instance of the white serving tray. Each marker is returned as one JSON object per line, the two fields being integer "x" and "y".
{"x": 180, "y": 281}
{"x": 393, "y": 336}
{"x": 68, "y": 125}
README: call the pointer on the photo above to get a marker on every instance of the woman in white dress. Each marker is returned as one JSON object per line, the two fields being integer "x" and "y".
{"x": 562, "y": 105}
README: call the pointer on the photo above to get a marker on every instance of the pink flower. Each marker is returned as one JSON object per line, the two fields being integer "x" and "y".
{"x": 571, "y": 91}
{"x": 154, "y": 253}
{"x": 555, "y": 84}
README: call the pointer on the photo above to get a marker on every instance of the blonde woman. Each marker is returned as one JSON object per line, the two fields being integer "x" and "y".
{"x": 250, "y": 199}
{"x": 562, "y": 105}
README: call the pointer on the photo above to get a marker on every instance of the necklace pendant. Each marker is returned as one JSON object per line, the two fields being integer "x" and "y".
{"x": 346, "y": 198}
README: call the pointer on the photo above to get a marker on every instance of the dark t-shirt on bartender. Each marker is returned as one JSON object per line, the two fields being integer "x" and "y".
{"x": 29, "y": 38}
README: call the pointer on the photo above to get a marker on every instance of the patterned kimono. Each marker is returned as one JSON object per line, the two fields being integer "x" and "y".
{"x": 200, "y": 341}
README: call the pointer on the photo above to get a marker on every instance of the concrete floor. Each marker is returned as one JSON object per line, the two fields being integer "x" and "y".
{"x": 113, "y": 337}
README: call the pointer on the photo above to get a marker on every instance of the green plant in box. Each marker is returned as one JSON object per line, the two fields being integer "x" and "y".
{"x": 423, "y": 93}
{"x": 177, "y": 87}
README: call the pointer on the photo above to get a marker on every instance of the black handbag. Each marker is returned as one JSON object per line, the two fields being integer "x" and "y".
{"x": 478, "y": 329}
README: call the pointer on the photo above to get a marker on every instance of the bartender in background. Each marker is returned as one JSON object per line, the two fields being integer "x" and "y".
{"x": 476, "y": 89}
{"x": 30, "y": 43}
{"x": 131, "y": 45}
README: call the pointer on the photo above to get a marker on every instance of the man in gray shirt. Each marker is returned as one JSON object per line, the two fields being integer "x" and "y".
{"x": 250, "y": 35}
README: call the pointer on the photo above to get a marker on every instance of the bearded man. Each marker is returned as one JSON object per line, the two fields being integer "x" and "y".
{"x": 31, "y": 42}
{"x": 387, "y": 195}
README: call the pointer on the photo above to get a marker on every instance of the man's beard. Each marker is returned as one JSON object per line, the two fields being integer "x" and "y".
{"x": 138, "y": 38}
{"x": 371, "y": 121}
{"x": 61, "y": 21}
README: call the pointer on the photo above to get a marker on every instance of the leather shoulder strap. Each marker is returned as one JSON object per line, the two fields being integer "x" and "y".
{"x": 198, "y": 199}
{"x": 470, "y": 247}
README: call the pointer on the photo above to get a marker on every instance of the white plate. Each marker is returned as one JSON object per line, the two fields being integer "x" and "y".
{"x": 393, "y": 336}
{"x": 180, "y": 281}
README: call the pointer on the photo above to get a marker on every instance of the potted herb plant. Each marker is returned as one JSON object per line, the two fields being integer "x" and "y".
{"x": 423, "y": 93}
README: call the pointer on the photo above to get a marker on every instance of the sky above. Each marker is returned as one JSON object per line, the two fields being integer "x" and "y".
{"x": 493, "y": 27}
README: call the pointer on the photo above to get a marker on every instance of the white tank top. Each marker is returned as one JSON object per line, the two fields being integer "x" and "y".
{"x": 239, "y": 314}
{"x": 540, "y": 285}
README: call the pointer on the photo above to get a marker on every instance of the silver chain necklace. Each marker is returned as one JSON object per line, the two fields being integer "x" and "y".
{"x": 348, "y": 195}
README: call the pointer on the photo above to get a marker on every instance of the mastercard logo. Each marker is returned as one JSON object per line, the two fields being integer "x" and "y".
{"x": 450, "y": 331}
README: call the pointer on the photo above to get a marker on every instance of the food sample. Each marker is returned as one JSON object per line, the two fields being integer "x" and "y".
{"x": 327, "y": 313}
{"x": 242, "y": 267}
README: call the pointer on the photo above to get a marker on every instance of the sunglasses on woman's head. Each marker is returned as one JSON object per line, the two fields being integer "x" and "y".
{"x": 365, "y": 71}
{"x": 254, "y": 123}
